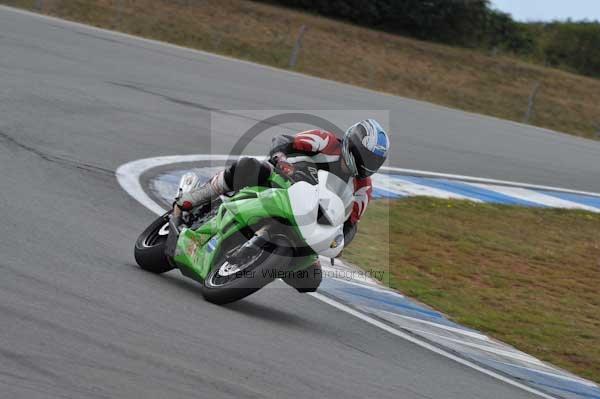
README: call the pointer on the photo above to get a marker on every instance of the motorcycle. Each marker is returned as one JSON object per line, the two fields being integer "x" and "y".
{"x": 239, "y": 243}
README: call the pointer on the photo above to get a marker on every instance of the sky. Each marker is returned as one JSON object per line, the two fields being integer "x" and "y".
{"x": 547, "y": 10}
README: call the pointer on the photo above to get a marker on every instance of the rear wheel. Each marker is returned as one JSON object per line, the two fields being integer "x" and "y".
{"x": 234, "y": 278}
{"x": 149, "y": 248}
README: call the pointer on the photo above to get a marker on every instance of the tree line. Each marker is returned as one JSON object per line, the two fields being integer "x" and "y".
{"x": 570, "y": 45}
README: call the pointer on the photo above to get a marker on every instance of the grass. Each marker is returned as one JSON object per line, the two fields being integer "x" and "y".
{"x": 526, "y": 276}
{"x": 459, "y": 78}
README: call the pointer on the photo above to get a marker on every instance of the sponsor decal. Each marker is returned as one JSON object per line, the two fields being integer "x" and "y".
{"x": 194, "y": 243}
{"x": 212, "y": 244}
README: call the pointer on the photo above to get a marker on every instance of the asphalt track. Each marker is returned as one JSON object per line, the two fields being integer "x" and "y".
{"x": 79, "y": 319}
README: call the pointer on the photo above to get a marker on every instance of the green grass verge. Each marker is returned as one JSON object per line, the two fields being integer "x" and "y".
{"x": 527, "y": 276}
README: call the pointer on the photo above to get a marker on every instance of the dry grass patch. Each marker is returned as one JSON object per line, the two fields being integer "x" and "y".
{"x": 459, "y": 78}
{"x": 527, "y": 276}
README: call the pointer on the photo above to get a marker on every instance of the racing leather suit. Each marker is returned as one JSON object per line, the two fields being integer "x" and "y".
{"x": 320, "y": 149}
{"x": 306, "y": 152}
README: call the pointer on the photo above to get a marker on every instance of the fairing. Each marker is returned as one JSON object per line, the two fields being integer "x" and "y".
{"x": 298, "y": 204}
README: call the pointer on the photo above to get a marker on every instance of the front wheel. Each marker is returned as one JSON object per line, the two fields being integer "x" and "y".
{"x": 230, "y": 280}
{"x": 149, "y": 248}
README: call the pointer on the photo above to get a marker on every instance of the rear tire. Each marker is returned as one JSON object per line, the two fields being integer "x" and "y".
{"x": 251, "y": 279}
{"x": 149, "y": 248}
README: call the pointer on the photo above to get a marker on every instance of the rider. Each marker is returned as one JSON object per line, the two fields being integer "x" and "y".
{"x": 354, "y": 158}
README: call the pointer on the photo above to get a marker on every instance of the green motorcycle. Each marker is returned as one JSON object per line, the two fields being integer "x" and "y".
{"x": 239, "y": 243}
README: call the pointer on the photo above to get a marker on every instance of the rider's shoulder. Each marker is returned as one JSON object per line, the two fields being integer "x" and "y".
{"x": 317, "y": 132}
{"x": 317, "y": 141}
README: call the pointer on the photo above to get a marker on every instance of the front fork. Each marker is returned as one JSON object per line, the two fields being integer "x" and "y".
{"x": 171, "y": 244}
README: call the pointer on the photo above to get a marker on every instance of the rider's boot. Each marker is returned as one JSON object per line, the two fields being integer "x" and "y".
{"x": 205, "y": 193}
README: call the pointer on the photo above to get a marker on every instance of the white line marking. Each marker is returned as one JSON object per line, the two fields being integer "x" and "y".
{"x": 456, "y": 330}
{"x": 373, "y": 286}
{"x": 535, "y": 196}
{"x": 426, "y": 345}
{"x": 498, "y": 348}
{"x": 416, "y": 172}
{"x": 128, "y": 177}
{"x": 130, "y": 173}
{"x": 402, "y": 186}
{"x": 568, "y": 377}
{"x": 497, "y": 351}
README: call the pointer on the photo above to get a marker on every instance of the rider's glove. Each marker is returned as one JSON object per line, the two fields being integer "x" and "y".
{"x": 184, "y": 202}
{"x": 278, "y": 157}
{"x": 286, "y": 168}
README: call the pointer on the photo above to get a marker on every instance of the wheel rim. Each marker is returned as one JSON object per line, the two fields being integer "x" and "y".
{"x": 227, "y": 269}
{"x": 157, "y": 236}
{"x": 228, "y": 272}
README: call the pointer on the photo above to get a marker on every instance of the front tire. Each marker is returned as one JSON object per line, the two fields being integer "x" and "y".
{"x": 149, "y": 248}
{"x": 220, "y": 289}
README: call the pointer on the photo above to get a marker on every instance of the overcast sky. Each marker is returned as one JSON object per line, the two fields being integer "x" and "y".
{"x": 546, "y": 10}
